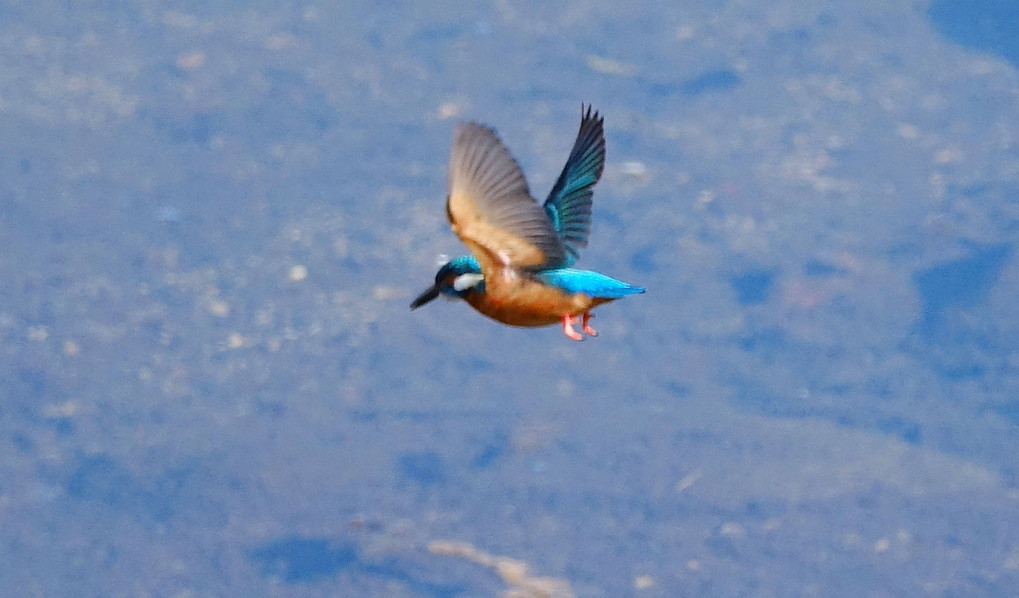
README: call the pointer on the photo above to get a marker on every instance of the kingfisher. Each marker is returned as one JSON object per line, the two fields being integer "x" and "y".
{"x": 520, "y": 269}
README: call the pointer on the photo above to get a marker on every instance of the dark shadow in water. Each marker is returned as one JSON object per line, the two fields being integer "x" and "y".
{"x": 946, "y": 337}
{"x": 908, "y": 431}
{"x": 152, "y": 498}
{"x": 989, "y": 25}
{"x": 424, "y": 468}
{"x": 298, "y": 560}
{"x": 959, "y": 283}
{"x": 643, "y": 260}
{"x": 752, "y": 286}
{"x": 492, "y": 450}
{"x": 706, "y": 82}
{"x": 720, "y": 80}
{"x": 822, "y": 269}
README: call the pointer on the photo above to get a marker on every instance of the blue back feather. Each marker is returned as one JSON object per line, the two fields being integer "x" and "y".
{"x": 586, "y": 281}
{"x": 568, "y": 279}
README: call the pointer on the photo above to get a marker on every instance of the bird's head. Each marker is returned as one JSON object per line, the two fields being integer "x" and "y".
{"x": 455, "y": 279}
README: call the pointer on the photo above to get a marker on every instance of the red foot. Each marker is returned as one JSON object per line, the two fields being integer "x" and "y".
{"x": 568, "y": 322}
{"x": 587, "y": 327}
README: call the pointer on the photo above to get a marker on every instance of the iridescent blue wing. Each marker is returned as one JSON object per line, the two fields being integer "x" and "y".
{"x": 586, "y": 281}
{"x": 569, "y": 203}
{"x": 491, "y": 209}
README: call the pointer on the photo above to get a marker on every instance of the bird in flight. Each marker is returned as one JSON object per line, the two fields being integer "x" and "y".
{"x": 520, "y": 269}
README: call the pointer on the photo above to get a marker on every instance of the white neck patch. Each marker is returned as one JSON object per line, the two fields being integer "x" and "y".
{"x": 466, "y": 281}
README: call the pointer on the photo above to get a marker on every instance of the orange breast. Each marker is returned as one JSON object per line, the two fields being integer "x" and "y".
{"x": 520, "y": 301}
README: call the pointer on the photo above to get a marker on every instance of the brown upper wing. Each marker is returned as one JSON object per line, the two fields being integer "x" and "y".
{"x": 491, "y": 209}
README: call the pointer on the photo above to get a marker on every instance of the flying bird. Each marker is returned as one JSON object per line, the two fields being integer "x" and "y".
{"x": 520, "y": 269}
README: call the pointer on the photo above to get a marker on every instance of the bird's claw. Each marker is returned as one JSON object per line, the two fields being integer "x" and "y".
{"x": 569, "y": 321}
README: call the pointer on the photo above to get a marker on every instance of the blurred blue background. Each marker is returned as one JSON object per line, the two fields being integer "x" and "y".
{"x": 213, "y": 217}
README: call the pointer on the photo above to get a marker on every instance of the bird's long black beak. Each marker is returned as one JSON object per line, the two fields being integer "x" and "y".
{"x": 431, "y": 293}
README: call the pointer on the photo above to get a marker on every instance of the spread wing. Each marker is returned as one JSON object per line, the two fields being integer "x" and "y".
{"x": 491, "y": 209}
{"x": 569, "y": 203}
